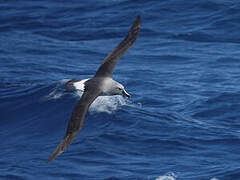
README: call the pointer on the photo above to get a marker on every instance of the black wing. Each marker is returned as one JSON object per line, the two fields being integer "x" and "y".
{"x": 76, "y": 121}
{"x": 107, "y": 67}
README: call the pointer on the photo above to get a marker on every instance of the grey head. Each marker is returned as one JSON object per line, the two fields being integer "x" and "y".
{"x": 101, "y": 84}
{"x": 110, "y": 87}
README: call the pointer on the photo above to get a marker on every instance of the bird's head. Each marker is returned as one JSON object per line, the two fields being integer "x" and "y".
{"x": 120, "y": 90}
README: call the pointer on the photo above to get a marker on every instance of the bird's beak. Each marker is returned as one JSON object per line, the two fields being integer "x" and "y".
{"x": 125, "y": 93}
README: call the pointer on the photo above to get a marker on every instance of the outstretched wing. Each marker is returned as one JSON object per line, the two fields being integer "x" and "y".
{"x": 76, "y": 121}
{"x": 107, "y": 66}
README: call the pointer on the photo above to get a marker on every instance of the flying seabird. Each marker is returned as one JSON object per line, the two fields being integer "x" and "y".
{"x": 101, "y": 84}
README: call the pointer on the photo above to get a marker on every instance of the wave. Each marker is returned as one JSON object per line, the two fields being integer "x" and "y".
{"x": 167, "y": 176}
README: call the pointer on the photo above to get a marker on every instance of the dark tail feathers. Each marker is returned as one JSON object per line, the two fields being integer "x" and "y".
{"x": 69, "y": 85}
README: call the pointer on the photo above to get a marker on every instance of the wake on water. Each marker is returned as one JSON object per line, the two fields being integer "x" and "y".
{"x": 167, "y": 176}
{"x": 173, "y": 176}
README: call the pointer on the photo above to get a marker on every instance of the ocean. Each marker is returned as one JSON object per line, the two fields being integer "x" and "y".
{"x": 183, "y": 72}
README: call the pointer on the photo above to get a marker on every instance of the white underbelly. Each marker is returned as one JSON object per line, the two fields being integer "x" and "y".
{"x": 80, "y": 85}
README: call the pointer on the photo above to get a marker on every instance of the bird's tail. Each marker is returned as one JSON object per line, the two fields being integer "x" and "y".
{"x": 69, "y": 84}
{"x": 67, "y": 140}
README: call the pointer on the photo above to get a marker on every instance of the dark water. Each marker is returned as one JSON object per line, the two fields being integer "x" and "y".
{"x": 182, "y": 122}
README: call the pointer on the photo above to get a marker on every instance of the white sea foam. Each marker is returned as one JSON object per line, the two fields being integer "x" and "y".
{"x": 63, "y": 81}
{"x": 167, "y": 176}
{"x": 172, "y": 176}
{"x": 56, "y": 93}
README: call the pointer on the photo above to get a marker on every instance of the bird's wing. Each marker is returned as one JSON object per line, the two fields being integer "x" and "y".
{"x": 107, "y": 66}
{"x": 76, "y": 122}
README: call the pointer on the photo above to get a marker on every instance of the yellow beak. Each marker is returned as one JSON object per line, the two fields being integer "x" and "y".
{"x": 125, "y": 93}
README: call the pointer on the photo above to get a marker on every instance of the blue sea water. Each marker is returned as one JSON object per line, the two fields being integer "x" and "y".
{"x": 183, "y": 72}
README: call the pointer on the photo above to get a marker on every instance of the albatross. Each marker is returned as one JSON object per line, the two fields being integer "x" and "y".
{"x": 101, "y": 84}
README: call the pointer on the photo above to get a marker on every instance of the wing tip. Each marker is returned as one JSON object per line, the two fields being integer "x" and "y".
{"x": 55, "y": 154}
{"x": 134, "y": 30}
{"x": 49, "y": 159}
{"x": 136, "y": 26}
{"x": 138, "y": 20}
{"x": 62, "y": 146}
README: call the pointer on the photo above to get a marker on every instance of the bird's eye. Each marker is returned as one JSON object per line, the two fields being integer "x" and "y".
{"x": 119, "y": 88}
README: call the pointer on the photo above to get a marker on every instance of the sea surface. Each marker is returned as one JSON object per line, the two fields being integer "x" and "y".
{"x": 183, "y": 72}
